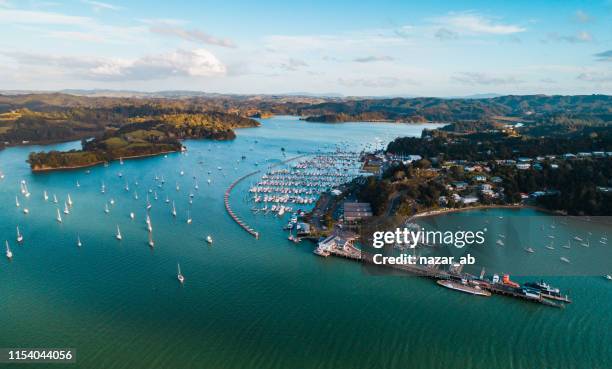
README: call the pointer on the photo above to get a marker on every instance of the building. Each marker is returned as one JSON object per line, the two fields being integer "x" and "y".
{"x": 355, "y": 211}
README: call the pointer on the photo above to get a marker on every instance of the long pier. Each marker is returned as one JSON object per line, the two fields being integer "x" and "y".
{"x": 229, "y": 210}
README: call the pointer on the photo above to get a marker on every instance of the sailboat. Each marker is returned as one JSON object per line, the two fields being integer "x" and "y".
{"x": 55, "y": 200}
{"x": 177, "y": 186}
{"x": 45, "y": 196}
{"x": 530, "y": 250}
{"x": 173, "y": 209}
{"x": 148, "y": 203}
{"x": 151, "y": 242}
{"x": 179, "y": 275}
{"x": 103, "y": 188}
{"x": 189, "y": 220}
{"x": 127, "y": 186}
{"x": 564, "y": 259}
{"x": 155, "y": 195}
{"x": 567, "y": 246}
{"x": 59, "y": 216}
{"x": 135, "y": 195}
{"x": 9, "y": 253}
{"x": 19, "y": 235}
{"x": 106, "y": 210}
{"x": 209, "y": 239}
{"x": 196, "y": 185}
{"x": 79, "y": 243}
{"x": 132, "y": 216}
{"x": 17, "y": 204}
{"x": 66, "y": 210}
{"x": 78, "y": 184}
{"x": 69, "y": 201}
{"x": 118, "y": 235}
{"x": 167, "y": 200}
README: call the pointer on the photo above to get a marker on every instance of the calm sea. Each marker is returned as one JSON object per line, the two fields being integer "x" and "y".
{"x": 249, "y": 303}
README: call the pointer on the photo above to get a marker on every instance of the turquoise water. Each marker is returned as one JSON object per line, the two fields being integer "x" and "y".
{"x": 249, "y": 303}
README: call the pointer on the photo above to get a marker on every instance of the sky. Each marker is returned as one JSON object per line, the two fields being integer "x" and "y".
{"x": 353, "y": 48}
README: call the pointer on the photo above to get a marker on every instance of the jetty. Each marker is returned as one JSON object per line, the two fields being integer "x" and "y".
{"x": 229, "y": 210}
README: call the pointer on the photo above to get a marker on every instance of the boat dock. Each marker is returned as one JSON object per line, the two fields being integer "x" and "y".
{"x": 229, "y": 210}
{"x": 228, "y": 192}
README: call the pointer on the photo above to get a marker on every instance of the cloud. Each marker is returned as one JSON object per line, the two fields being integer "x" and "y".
{"x": 579, "y": 37}
{"x": 293, "y": 64}
{"x": 98, "y": 5}
{"x": 472, "y": 23}
{"x": 379, "y": 82}
{"x": 444, "y": 34}
{"x": 604, "y": 56}
{"x": 595, "y": 77}
{"x": 582, "y": 17}
{"x": 179, "y": 63}
{"x": 471, "y": 78}
{"x": 372, "y": 58}
{"x": 190, "y": 35}
{"x": 15, "y": 16}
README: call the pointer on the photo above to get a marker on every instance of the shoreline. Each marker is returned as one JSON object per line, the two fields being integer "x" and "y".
{"x": 431, "y": 213}
{"x": 75, "y": 167}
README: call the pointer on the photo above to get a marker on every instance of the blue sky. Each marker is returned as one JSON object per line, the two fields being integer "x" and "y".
{"x": 373, "y": 48}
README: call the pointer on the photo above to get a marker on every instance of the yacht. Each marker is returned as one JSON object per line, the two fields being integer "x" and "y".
{"x": 19, "y": 235}
{"x": 179, "y": 275}
{"x": 118, "y": 235}
{"x": 9, "y": 253}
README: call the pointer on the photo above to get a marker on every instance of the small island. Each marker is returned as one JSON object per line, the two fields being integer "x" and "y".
{"x": 142, "y": 137}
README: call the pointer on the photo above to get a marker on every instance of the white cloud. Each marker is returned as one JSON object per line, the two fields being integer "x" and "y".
{"x": 98, "y": 5}
{"x": 179, "y": 63}
{"x": 473, "y": 78}
{"x": 476, "y": 24}
{"x": 15, "y": 16}
{"x": 595, "y": 77}
{"x": 582, "y": 17}
{"x": 192, "y": 35}
{"x": 373, "y": 58}
{"x": 579, "y": 37}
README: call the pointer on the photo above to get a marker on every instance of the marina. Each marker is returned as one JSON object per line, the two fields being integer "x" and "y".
{"x": 129, "y": 289}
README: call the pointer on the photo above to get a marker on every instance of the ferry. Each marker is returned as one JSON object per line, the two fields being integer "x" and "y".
{"x": 463, "y": 286}
{"x": 547, "y": 291}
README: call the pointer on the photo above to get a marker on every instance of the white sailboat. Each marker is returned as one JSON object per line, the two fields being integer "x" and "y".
{"x": 19, "y": 236}
{"x": 173, "y": 209}
{"x": 69, "y": 200}
{"x": 564, "y": 259}
{"x": 45, "y": 195}
{"x": 177, "y": 186}
{"x": 26, "y": 211}
{"x": 106, "y": 210}
{"x": 135, "y": 195}
{"x": 189, "y": 220}
{"x": 79, "y": 243}
{"x": 66, "y": 210}
{"x": 59, "y": 216}
{"x": 167, "y": 200}
{"x": 132, "y": 216}
{"x": 209, "y": 239}
{"x": 103, "y": 188}
{"x": 55, "y": 200}
{"x": 78, "y": 184}
{"x": 148, "y": 203}
{"x": 118, "y": 235}
{"x": 9, "y": 253}
{"x": 17, "y": 204}
{"x": 179, "y": 275}
{"x": 151, "y": 242}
